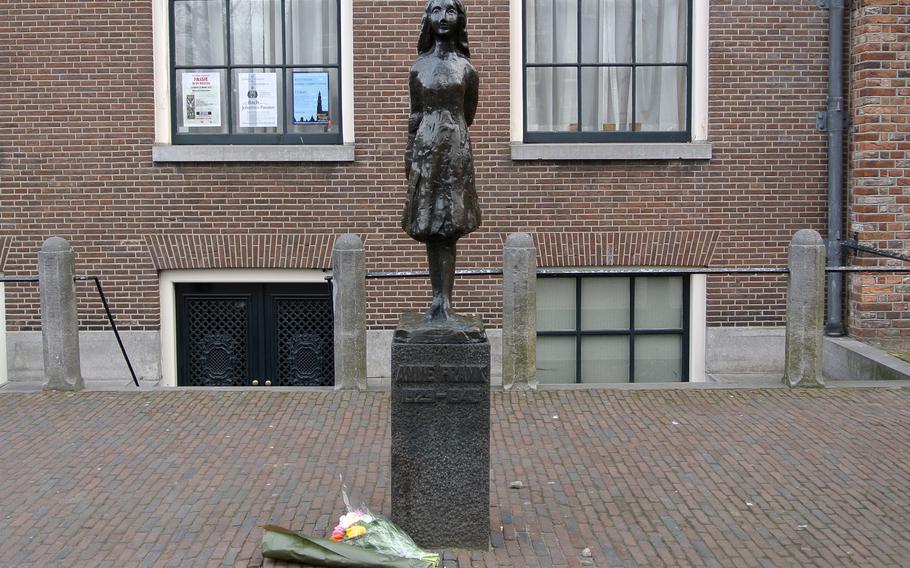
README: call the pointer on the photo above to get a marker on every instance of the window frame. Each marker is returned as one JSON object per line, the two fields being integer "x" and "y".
{"x": 536, "y": 137}
{"x": 684, "y": 332}
{"x": 260, "y": 139}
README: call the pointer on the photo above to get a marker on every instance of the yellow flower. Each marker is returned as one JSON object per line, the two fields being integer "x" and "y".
{"x": 354, "y": 531}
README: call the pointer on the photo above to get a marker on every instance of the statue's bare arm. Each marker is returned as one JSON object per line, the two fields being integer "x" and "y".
{"x": 471, "y": 94}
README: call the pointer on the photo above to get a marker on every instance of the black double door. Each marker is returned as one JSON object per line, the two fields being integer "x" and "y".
{"x": 254, "y": 335}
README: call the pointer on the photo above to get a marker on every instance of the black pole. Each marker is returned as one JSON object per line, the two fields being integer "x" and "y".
{"x": 110, "y": 318}
{"x": 835, "y": 127}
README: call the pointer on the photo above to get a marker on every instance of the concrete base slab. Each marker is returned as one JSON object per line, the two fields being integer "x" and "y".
{"x": 101, "y": 360}
{"x": 750, "y": 379}
{"x": 94, "y": 385}
{"x": 745, "y": 350}
{"x": 846, "y": 359}
{"x": 735, "y": 356}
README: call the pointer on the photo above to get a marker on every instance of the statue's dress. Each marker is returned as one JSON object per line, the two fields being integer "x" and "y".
{"x": 442, "y": 201}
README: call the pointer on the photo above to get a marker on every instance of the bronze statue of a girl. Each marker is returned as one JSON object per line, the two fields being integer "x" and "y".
{"x": 441, "y": 203}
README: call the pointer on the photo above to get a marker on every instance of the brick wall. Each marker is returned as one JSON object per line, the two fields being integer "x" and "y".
{"x": 76, "y": 129}
{"x": 880, "y": 167}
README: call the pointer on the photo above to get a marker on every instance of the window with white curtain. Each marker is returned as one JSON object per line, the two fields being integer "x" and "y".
{"x": 255, "y": 71}
{"x": 607, "y": 70}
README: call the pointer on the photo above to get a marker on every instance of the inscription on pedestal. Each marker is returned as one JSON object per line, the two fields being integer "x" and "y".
{"x": 427, "y": 373}
{"x": 441, "y": 443}
{"x": 430, "y": 384}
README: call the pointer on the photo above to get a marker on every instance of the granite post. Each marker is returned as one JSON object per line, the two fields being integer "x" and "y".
{"x": 3, "y": 369}
{"x": 348, "y": 297}
{"x": 59, "y": 320}
{"x": 441, "y": 434}
{"x": 519, "y": 313}
{"x": 805, "y": 311}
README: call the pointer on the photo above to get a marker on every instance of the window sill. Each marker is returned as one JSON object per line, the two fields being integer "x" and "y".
{"x": 249, "y": 153}
{"x": 700, "y": 150}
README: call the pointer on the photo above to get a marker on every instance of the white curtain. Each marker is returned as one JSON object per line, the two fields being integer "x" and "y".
{"x": 661, "y": 32}
{"x": 199, "y": 33}
{"x": 256, "y": 32}
{"x": 606, "y": 91}
{"x": 312, "y": 29}
{"x": 661, "y": 28}
{"x": 551, "y": 38}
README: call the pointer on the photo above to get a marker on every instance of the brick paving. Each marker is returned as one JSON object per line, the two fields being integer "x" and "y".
{"x": 642, "y": 478}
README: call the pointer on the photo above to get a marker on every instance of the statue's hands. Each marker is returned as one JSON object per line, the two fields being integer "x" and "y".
{"x": 408, "y": 156}
{"x": 414, "y": 122}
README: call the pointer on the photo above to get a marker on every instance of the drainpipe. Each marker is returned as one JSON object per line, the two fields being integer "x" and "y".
{"x": 833, "y": 122}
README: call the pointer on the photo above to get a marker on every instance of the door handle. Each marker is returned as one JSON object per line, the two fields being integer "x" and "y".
{"x": 255, "y": 382}
{"x": 268, "y": 383}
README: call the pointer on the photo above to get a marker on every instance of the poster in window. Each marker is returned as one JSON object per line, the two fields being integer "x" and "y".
{"x": 202, "y": 99}
{"x": 311, "y": 97}
{"x": 258, "y": 100}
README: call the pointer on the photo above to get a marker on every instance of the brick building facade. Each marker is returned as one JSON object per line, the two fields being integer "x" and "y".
{"x": 86, "y": 99}
{"x": 879, "y": 209}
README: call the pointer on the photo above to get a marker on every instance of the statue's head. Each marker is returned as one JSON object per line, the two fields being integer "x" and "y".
{"x": 428, "y": 36}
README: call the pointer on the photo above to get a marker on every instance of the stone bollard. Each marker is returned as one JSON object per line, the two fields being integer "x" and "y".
{"x": 59, "y": 321}
{"x": 805, "y": 311}
{"x": 3, "y": 370}
{"x": 349, "y": 300}
{"x": 519, "y": 313}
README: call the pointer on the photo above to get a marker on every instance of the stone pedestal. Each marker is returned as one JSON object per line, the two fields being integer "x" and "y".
{"x": 441, "y": 433}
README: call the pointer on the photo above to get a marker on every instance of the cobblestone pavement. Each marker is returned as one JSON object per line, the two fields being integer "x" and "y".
{"x": 641, "y": 478}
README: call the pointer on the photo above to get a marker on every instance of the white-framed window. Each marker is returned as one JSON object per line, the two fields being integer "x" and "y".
{"x": 620, "y": 329}
{"x": 609, "y": 79}
{"x": 253, "y": 80}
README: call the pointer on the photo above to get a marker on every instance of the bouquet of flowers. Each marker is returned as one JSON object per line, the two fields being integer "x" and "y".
{"x": 360, "y": 539}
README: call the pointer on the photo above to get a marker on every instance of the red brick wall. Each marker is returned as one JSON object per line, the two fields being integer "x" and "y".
{"x": 880, "y": 164}
{"x": 76, "y": 129}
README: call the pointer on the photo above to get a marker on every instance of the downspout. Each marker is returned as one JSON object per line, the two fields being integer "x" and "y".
{"x": 833, "y": 122}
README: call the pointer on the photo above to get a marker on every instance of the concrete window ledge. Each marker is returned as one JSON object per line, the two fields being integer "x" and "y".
{"x": 619, "y": 151}
{"x": 270, "y": 153}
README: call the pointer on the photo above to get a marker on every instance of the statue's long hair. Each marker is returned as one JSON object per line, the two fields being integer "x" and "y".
{"x": 427, "y": 41}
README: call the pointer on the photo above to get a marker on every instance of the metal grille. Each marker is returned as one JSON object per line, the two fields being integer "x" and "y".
{"x": 304, "y": 330}
{"x": 218, "y": 349}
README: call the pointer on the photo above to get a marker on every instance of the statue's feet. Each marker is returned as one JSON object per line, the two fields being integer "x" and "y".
{"x": 440, "y": 309}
